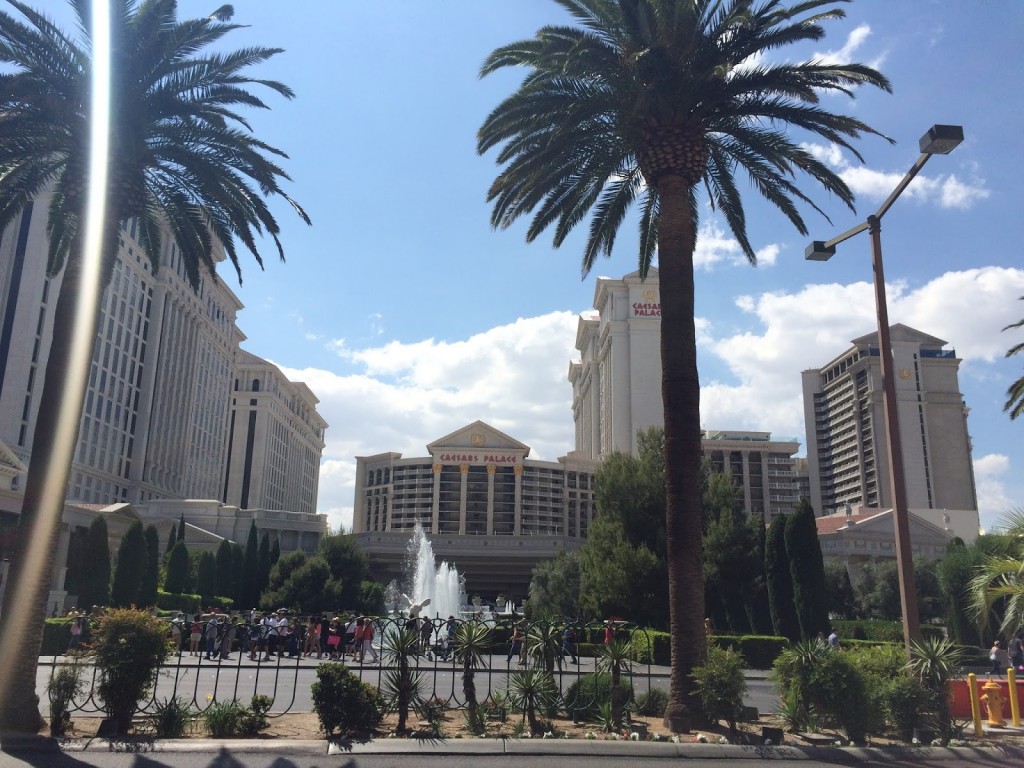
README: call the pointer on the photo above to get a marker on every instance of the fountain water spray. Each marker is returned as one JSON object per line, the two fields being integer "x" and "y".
{"x": 438, "y": 583}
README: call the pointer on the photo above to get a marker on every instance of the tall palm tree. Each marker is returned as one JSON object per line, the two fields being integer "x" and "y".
{"x": 1015, "y": 393}
{"x": 644, "y": 101}
{"x": 183, "y": 162}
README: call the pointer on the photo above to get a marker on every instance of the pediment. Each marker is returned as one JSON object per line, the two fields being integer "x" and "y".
{"x": 901, "y": 332}
{"x": 478, "y": 435}
{"x": 10, "y": 465}
{"x": 881, "y": 526}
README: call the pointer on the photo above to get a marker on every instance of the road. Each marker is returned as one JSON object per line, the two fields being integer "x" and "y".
{"x": 288, "y": 682}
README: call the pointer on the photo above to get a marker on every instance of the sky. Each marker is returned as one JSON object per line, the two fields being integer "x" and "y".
{"x": 409, "y": 316}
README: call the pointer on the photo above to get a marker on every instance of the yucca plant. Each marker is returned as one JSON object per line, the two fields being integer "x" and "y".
{"x": 401, "y": 683}
{"x": 935, "y": 662}
{"x": 472, "y": 643}
{"x": 615, "y": 658}
{"x": 531, "y": 690}
{"x": 544, "y": 646}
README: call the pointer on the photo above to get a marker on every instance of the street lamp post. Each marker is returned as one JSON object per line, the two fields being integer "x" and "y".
{"x": 939, "y": 140}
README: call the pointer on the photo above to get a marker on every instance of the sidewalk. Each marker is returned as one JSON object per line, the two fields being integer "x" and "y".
{"x": 1010, "y": 755}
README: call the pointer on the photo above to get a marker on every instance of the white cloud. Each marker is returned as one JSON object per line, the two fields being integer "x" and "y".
{"x": 994, "y": 501}
{"x": 947, "y": 191}
{"x": 846, "y": 54}
{"x": 512, "y": 376}
{"x": 715, "y": 247}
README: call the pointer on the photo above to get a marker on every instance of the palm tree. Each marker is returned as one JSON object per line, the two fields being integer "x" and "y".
{"x": 996, "y": 591}
{"x": 1015, "y": 393}
{"x": 645, "y": 100}
{"x": 183, "y": 164}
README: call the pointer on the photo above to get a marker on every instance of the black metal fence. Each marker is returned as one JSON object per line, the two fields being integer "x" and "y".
{"x": 569, "y": 651}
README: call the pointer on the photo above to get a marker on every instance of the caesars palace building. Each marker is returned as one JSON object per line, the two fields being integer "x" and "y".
{"x": 486, "y": 507}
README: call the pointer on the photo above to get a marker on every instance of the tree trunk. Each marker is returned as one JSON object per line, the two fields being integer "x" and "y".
{"x": 681, "y": 398}
{"x": 53, "y": 446}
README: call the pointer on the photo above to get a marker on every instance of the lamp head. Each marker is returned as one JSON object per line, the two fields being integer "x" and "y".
{"x": 818, "y": 251}
{"x": 941, "y": 139}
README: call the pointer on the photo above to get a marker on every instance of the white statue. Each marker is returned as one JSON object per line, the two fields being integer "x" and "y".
{"x": 415, "y": 608}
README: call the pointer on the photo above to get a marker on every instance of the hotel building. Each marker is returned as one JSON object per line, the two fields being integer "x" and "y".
{"x": 847, "y": 450}
{"x": 174, "y": 408}
{"x": 486, "y": 506}
{"x": 616, "y": 388}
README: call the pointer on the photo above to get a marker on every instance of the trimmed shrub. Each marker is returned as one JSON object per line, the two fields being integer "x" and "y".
{"x": 840, "y": 691}
{"x": 177, "y": 601}
{"x": 758, "y": 651}
{"x": 584, "y": 697}
{"x": 129, "y": 648}
{"x": 56, "y": 637}
{"x": 721, "y": 686}
{"x": 344, "y": 703}
{"x": 906, "y": 705}
{"x": 651, "y": 646}
{"x": 652, "y": 703}
{"x": 877, "y": 630}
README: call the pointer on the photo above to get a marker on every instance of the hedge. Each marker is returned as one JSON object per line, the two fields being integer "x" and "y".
{"x": 878, "y": 630}
{"x": 758, "y": 651}
{"x": 56, "y": 637}
{"x": 651, "y": 646}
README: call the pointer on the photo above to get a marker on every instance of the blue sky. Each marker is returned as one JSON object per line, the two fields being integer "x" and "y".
{"x": 409, "y": 317}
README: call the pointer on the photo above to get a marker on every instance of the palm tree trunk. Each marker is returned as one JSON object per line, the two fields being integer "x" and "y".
{"x": 53, "y": 445}
{"x": 681, "y": 397}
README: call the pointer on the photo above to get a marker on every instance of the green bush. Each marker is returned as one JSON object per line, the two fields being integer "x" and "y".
{"x": 758, "y": 651}
{"x": 906, "y": 705}
{"x": 253, "y": 719}
{"x": 222, "y": 718}
{"x": 56, "y": 637}
{"x": 174, "y": 601}
{"x": 128, "y": 649}
{"x": 170, "y": 718}
{"x": 840, "y": 692}
{"x": 721, "y": 685}
{"x": 344, "y": 703}
{"x": 651, "y": 646}
{"x": 877, "y": 630}
{"x": 584, "y": 697}
{"x": 652, "y": 703}
{"x": 64, "y": 685}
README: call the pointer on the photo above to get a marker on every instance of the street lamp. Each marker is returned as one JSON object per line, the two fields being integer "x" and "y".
{"x": 939, "y": 140}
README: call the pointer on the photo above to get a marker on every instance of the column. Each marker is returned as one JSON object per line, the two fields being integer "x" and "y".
{"x": 518, "y": 528}
{"x": 491, "y": 470}
{"x": 746, "y": 482}
{"x": 464, "y": 482}
{"x": 436, "y": 504}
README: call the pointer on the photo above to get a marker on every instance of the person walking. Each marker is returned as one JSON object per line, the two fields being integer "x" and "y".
{"x": 568, "y": 644}
{"x": 515, "y": 643}
{"x": 1017, "y": 651}
{"x": 997, "y": 656}
{"x": 368, "y": 632}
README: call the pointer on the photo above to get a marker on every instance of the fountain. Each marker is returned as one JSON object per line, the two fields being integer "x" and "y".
{"x": 440, "y": 584}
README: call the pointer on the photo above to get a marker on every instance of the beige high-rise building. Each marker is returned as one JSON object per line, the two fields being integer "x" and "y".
{"x": 164, "y": 416}
{"x": 847, "y": 450}
{"x": 616, "y": 387}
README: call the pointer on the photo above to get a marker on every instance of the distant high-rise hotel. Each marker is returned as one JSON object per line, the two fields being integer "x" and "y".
{"x": 616, "y": 388}
{"x": 174, "y": 408}
{"x": 845, "y": 422}
{"x": 484, "y": 504}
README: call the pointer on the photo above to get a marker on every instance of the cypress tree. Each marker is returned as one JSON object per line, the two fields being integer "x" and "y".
{"x": 131, "y": 563}
{"x": 151, "y": 570}
{"x": 95, "y": 582}
{"x": 275, "y": 552}
{"x": 181, "y": 528}
{"x": 780, "y": 581}
{"x": 177, "y": 569}
{"x": 237, "y": 573}
{"x": 172, "y": 539}
{"x": 807, "y": 569}
{"x": 249, "y": 589}
{"x": 225, "y": 582}
{"x": 206, "y": 575}
{"x": 263, "y": 565}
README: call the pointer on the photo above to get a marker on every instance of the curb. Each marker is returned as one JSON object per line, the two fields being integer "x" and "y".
{"x": 521, "y": 747}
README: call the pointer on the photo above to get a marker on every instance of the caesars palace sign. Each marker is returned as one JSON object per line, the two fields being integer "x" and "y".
{"x": 649, "y": 304}
{"x": 461, "y": 456}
